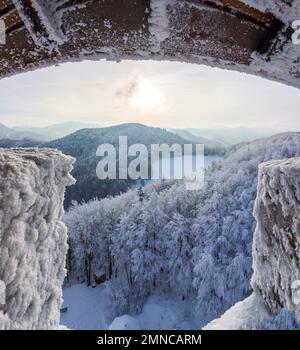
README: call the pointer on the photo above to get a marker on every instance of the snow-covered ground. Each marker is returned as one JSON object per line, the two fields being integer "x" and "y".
{"x": 87, "y": 309}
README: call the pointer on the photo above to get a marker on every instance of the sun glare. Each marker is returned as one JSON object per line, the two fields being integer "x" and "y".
{"x": 147, "y": 97}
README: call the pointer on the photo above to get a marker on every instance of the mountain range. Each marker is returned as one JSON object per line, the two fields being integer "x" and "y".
{"x": 82, "y": 140}
{"x": 18, "y": 134}
{"x": 54, "y": 131}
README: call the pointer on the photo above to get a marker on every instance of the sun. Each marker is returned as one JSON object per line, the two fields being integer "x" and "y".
{"x": 147, "y": 97}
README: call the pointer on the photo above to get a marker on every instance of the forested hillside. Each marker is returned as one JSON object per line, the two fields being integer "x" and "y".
{"x": 191, "y": 244}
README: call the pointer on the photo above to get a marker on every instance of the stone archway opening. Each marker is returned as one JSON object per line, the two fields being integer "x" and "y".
{"x": 248, "y": 36}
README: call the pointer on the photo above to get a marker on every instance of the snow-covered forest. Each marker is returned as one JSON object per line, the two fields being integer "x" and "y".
{"x": 190, "y": 245}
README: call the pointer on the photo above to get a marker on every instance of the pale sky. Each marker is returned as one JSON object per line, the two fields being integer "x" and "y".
{"x": 163, "y": 94}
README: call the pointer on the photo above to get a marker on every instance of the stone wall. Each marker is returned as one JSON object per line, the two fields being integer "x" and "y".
{"x": 33, "y": 239}
{"x": 276, "y": 246}
{"x": 276, "y": 253}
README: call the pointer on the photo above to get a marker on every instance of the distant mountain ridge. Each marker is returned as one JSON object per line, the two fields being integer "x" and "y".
{"x": 227, "y": 137}
{"x": 55, "y": 131}
{"x": 13, "y": 134}
{"x": 193, "y": 137}
{"x": 215, "y": 139}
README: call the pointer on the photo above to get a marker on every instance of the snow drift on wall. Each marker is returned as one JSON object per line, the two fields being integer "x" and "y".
{"x": 243, "y": 315}
{"x": 33, "y": 239}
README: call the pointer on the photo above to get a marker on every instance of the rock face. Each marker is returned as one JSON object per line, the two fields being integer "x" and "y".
{"x": 276, "y": 252}
{"x": 33, "y": 239}
{"x": 276, "y": 246}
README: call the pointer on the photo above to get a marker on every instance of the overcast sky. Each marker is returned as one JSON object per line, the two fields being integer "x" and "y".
{"x": 154, "y": 93}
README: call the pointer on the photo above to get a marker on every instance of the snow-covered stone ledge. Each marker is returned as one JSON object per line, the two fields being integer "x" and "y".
{"x": 33, "y": 239}
{"x": 276, "y": 251}
{"x": 276, "y": 245}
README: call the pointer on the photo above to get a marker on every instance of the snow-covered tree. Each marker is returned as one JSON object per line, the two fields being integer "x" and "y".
{"x": 179, "y": 247}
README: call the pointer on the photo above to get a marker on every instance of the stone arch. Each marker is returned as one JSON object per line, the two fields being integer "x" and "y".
{"x": 247, "y": 35}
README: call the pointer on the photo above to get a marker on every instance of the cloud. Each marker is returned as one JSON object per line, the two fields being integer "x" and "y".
{"x": 127, "y": 89}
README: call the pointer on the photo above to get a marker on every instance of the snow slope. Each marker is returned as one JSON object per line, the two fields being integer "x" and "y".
{"x": 160, "y": 313}
{"x": 88, "y": 309}
{"x": 246, "y": 314}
